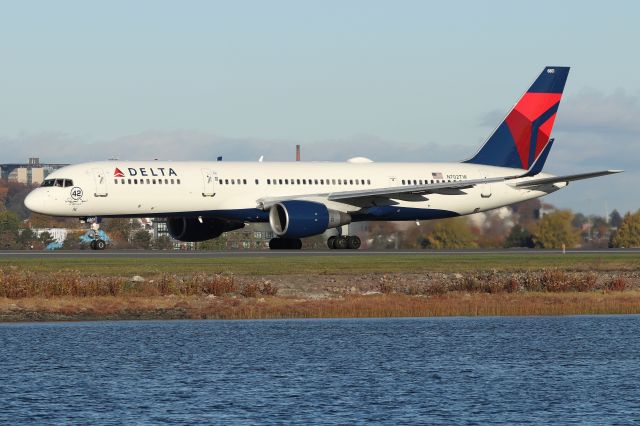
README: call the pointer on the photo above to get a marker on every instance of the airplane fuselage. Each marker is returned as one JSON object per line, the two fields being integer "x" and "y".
{"x": 234, "y": 190}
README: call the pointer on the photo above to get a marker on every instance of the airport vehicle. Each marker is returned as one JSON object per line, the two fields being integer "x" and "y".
{"x": 202, "y": 199}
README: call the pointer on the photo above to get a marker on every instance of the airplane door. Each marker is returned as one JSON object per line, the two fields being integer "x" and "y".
{"x": 485, "y": 188}
{"x": 101, "y": 183}
{"x": 208, "y": 179}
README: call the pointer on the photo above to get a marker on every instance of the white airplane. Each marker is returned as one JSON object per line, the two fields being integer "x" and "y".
{"x": 203, "y": 199}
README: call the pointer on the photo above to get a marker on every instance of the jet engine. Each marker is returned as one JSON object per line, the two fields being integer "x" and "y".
{"x": 192, "y": 229}
{"x": 297, "y": 219}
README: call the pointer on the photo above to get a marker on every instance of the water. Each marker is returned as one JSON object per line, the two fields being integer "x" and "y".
{"x": 559, "y": 370}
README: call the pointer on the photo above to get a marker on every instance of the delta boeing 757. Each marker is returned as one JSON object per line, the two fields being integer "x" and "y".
{"x": 201, "y": 199}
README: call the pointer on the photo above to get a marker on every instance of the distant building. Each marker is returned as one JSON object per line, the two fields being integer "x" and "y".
{"x": 31, "y": 173}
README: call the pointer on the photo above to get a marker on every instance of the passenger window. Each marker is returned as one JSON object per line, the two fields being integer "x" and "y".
{"x": 178, "y": 181}
{"x": 154, "y": 181}
{"x": 135, "y": 181}
{"x": 115, "y": 181}
{"x": 268, "y": 181}
{"x": 129, "y": 181}
{"x": 141, "y": 181}
{"x": 298, "y": 181}
{"x": 226, "y": 181}
{"x": 368, "y": 182}
{"x": 244, "y": 181}
{"x": 257, "y": 182}
{"x": 148, "y": 182}
{"x": 280, "y": 181}
{"x": 315, "y": 181}
{"x": 159, "y": 181}
{"x": 286, "y": 181}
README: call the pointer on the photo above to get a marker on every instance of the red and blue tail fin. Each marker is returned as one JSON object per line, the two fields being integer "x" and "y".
{"x": 524, "y": 134}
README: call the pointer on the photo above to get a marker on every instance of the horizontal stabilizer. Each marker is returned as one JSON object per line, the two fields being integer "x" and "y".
{"x": 567, "y": 178}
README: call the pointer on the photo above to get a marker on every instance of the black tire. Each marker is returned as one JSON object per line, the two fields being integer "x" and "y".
{"x": 100, "y": 245}
{"x": 92, "y": 244}
{"x": 275, "y": 244}
{"x": 331, "y": 242}
{"x": 342, "y": 242}
{"x": 354, "y": 242}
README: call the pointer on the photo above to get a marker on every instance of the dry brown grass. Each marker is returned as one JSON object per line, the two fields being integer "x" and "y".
{"x": 391, "y": 305}
{"x": 16, "y": 284}
{"x": 28, "y": 295}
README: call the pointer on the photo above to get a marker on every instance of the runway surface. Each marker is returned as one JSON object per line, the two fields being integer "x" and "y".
{"x": 275, "y": 253}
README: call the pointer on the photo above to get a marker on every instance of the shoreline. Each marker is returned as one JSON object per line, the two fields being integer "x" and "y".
{"x": 104, "y": 308}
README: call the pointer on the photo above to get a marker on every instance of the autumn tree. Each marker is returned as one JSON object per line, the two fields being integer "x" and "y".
{"x": 118, "y": 229}
{"x": 554, "y": 230}
{"x": 9, "y": 229}
{"x": 519, "y": 237}
{"x": 141, "y": 239}
{"x": 451, "y": 234}
{"x": 615, "y": 219}
{"x": 628, "y": 233}
{"x": 163, "y": 243}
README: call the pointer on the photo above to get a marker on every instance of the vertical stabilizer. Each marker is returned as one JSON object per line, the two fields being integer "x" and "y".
{"x": 524, "y": 134}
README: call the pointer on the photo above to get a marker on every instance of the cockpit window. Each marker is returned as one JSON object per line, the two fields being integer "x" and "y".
{"x": 62, "y": 183}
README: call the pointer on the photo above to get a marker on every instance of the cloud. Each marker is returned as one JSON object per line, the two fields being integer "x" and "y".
{"x": 594, "y": 112}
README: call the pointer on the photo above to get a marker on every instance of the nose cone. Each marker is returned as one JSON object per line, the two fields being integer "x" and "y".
{"x": 35, "y": 201}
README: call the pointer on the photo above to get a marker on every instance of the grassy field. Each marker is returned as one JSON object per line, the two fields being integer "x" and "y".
{"x": 301, "y": 264}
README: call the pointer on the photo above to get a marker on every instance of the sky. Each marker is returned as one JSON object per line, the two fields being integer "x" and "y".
{"x": 389, "y": 80}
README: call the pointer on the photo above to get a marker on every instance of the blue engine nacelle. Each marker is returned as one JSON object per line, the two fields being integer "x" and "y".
{"x": 297, "y": 219}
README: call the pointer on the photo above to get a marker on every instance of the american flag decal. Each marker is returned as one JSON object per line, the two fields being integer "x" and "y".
{"x": 437, "y": 175}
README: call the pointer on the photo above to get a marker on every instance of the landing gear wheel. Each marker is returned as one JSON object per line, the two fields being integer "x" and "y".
{"x": 100, "y": 244}
{"x": 92, "y": 244}
{"x": 341, "y": 243}
{"x": 285, "y": 244}
{"x": 331, "y": 242}
{"x": 354, "y": 242}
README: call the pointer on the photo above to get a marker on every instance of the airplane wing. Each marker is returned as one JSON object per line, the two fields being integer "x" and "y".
{"x": 568, "y": 178}
{"x": 405, "y": 192}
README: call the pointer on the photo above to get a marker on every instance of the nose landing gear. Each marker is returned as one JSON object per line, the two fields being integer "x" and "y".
{"x": 342, "y": 242}
{"x": 94, "y": 236}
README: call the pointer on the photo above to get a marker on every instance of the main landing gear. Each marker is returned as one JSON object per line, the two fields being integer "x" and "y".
{"x": 342, "y": 242}
{"x": 285, "y": 244}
